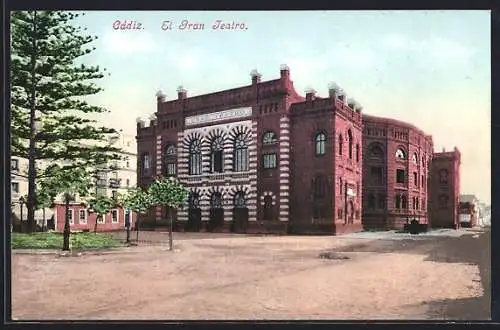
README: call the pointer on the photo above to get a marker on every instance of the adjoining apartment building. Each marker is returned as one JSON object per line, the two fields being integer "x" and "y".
{"x": 116, "y": 177}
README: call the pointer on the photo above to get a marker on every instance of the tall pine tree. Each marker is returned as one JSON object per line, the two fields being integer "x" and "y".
{"x": 48, "y": 85}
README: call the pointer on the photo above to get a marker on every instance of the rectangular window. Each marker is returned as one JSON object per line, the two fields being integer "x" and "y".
{"x": 15, "y": 187}
{"x": 269, "y": 161}
{"x": 114, "y": 216}
{"x": 114, "y": 193}
{"x": 70, "y": 215}
{"x": 376, "y": 175}
{"x": 101, "y": 218}
{"x": 415, "y": 179}
{"x": 14, "y": 164}
{"x": 422, "y": 183}
{"x": 82, "y": 217}
{"x": 400, "y": 176}
{"x": 171, "y": 169}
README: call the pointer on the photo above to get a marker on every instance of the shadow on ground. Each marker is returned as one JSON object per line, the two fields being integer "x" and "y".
{"x": 473, "y": 248}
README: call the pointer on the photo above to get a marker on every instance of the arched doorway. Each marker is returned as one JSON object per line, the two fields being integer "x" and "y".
{"x": 194, "y": 213}
{"x": 216, "y": 212}
{"x": 240, "y": 213}
{"x": 268, "y": 208}
{"x": 350, "y": 219}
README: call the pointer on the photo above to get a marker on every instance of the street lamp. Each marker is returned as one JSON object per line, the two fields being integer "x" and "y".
{"x": 35, "y": 127}
{"x": 22, "y": 201}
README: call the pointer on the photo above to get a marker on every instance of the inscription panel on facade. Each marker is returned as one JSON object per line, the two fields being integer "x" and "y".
{"x": 218, "y": 116}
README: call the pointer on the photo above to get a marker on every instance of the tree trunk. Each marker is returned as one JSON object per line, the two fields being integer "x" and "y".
{"x": 137, "y": 227}
{"x": 96, "y": 220}
{"x": 32, "y": 146}
{"x": 43, "y": 220}
{"x": 170, "y": 233}
{"x": 66, "y": 225}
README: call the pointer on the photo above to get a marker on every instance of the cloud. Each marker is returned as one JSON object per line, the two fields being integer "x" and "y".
{"x": 128, "y": 42}
{"x": 436, "y": 49}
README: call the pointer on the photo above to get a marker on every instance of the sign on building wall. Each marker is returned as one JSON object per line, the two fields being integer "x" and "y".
{"x": 218, "y": 116}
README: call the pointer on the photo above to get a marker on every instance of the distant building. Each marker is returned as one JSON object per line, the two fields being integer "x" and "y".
{"x": 444, "y": 190}
{"x": 469, "y": 211}
{"x": 114, "y": 177}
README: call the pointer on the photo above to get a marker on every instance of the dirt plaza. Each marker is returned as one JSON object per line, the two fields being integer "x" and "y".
{"x": 438, "y": 275}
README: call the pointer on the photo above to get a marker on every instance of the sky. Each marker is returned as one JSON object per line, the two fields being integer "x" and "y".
{"x": 429, "y": 68}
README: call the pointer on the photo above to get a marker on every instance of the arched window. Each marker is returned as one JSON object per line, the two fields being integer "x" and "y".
{"x": 320, "y": 141}
{"x": 400, "y": 154}
{"x": 195, "y": 157}
{"x": 375, "y": 151}
{"x": 216, "y": 200}
{"x": 170, "y": 150}
{"x": 240, "y": 200}
{"x": 398, "y": 201}
{"x": 269, "y": 138}
{"x": 404, "y": 202}
{"x": 240, "y": 157}
{"x": 357, "y": 153}
{"x": 320, "y": 187}
{"x": 217, "y": 155}
{"x": 341, "y": 144}
{"x": 194, "y": 200}
{"x": 414, "y": 158}
{"x": 350, "y": 141}
{"x": 146, "y": 162}
{"x": 169, "y": 162}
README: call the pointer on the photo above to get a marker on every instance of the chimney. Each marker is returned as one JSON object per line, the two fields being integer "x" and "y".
{"x": 160, "y": 96}
{"x": 152, "y": 120}
{"x": 140, "y": 122}
{"x": 351, "y": 103}
{"x": 284, "y": 72}
{"x": 255, "y": 76}
{"x": 333, "y": 89}
{"x": 310, "y": 94}
{"x": 342, "y": 96}
{"x": 181, "y": 93}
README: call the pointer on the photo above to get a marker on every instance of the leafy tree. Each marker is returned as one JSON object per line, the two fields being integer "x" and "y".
{"x": 69, "y": 182}
{"x": 50, "y": 84}
{"x": 138, "y": 201}
{"x": 44, "y": 200}
{"x": 101, "y": 205}
{"x": 168, "y": 192}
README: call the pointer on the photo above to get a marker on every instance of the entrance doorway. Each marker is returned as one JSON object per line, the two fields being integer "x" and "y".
{"x": 216, "y": 221}
{"x": 194, "y": 213}
{"x": 240, "y": 213}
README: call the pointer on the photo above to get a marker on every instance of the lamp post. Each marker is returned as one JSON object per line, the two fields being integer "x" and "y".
{"x": 22, "y": 201}
{"x": 35, "y": 127}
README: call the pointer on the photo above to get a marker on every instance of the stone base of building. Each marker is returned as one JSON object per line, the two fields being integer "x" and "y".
{"x": 341, "y": 229}
{"x": 337, "y": 228}
{"x": 251, "y": 227}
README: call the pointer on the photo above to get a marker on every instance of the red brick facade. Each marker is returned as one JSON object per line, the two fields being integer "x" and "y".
{"x": 82, "y": 220}
{"x": 445, "y": 189}
{"x": 262, "y": 158}
{"x": 397, "y": 157}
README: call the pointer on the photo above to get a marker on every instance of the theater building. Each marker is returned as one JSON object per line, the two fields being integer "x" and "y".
{"x": 397, "y": 156}
{"x": 258, "y": 158}
{"x": 264, "y": 159}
